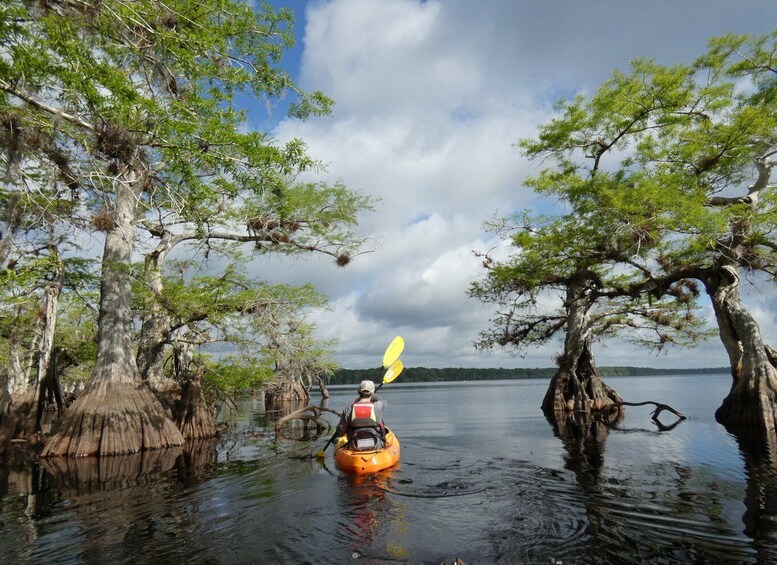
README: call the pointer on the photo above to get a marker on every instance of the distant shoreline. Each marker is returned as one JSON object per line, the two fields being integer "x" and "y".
{"x": 423, "y": 374}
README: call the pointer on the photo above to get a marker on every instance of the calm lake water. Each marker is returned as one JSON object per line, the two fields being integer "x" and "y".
{"x": 483, "y": 478}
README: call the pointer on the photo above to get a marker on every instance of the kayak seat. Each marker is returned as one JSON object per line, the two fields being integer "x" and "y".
{"x": 366, "y": 439}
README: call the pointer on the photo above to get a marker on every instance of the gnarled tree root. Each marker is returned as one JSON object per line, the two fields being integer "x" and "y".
{"x": 654, "y": 415}
{"x": 307, "y": 414}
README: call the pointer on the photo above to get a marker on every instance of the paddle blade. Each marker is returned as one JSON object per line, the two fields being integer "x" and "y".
{"x": 393, "y": 372}
{"x": 393, "y": 351}
{"x": 320, "y": 454}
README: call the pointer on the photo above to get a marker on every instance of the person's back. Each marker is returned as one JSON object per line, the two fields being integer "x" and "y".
{"x": 362, "y": 421}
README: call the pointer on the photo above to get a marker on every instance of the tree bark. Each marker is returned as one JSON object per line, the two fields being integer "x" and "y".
{"x": 322, "y": 387}
{"x": 752, "y": 400}
{"x": 577, "y": 385}
{"x": 21, "y": 363}
{"x": 193, "y": 415}
{"x": 46, "y": 380}
{"x": 284, "y": 390}
{"x": 155, "y": 329}
{"x": 20, "y": 411}
{"x": 116, "y": 412}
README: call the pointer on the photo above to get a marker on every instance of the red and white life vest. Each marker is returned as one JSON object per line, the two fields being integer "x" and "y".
{"x": 363, "y": 415}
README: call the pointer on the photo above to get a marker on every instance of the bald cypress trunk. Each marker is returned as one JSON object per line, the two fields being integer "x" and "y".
{"x": 752, "y": 400}
{"x": 116, "y": 412}
{"x": 577, "y": 385}
{"x": 193, "y": 415}
{"x": 285, "y": 389}
{"x": 155, "y": 329}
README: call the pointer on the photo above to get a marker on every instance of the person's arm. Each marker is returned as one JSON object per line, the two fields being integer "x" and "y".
{"x": 342, "y": 425}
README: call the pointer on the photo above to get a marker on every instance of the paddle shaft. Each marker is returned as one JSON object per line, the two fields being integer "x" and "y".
{"x": 331, "y": 439}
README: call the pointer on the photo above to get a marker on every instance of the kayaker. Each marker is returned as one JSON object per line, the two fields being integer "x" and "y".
{"x": 362, "y": 420}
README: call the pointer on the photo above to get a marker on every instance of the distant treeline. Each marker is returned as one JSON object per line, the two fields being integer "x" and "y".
{"x": 423, "y": 374}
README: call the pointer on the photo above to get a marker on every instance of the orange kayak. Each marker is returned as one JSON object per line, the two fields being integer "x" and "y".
{"x": 362, "y": 462}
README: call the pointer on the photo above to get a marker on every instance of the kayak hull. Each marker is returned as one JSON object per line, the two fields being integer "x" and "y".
{"x": 363, "y": 462}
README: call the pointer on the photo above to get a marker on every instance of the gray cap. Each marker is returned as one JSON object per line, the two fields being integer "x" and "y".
{"x": 367, "y": 387}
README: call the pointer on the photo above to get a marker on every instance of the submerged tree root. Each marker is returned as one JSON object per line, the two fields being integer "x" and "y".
{"x": 604, "y": 412}
{"x": 306, "y": 415}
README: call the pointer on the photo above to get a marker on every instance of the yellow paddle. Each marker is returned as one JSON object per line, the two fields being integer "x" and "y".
{"x": 393, "y": 351}
{"x": 391, "y": 373}
{"x": 395, "y": 366}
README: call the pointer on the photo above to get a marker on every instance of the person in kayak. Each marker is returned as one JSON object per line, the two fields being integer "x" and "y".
{"x": 362, "y": 420}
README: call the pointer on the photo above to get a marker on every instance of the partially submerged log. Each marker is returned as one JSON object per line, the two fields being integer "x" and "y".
{"x": 307, "y": 415}
{"x": 607, "y": 410}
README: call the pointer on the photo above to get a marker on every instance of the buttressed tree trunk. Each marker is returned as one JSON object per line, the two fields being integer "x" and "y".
{"x": 752, "y": 400}
{"x": 194, "y": 416}
{"x": 577, "y": 385}
{"x": 285, "y": 389}
{"x": 116, "y": 412}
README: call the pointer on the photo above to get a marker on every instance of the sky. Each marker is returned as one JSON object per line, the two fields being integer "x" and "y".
{"x": 431, "y": 98}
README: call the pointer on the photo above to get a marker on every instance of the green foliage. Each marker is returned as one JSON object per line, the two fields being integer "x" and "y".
{"x": 76, "y": 332}
{"x": 231, "y": 375}
{"x": 162, "y": 78}
{"x": 233, "y": 306}
{"x": 643, "y": 171}
{"x": 91, "y": 90}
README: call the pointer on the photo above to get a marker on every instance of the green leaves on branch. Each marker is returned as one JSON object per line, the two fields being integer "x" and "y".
{"x": 657, "y": 177}
{"x": 142, "y": 110}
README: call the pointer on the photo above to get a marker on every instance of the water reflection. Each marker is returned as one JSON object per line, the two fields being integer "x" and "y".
{"x": 370, "y": 518}
{"x": 495, "y": 483}
{"x": 102, "y": 505}
{"x": 81, "y": 476}
{"x": 666, "y": 510}
{"x": 759, "y": 451}
{"x": 584, "y": 438}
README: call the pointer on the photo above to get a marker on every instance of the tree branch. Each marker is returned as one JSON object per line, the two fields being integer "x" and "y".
{"x": 5, "y": 87}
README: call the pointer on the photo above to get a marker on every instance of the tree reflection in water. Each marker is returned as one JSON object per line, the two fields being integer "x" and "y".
{"x": 110, "y": 501}
{"x": 583, "y": 437}
{"x": 621, "y": 518}
{"x": 759, "y": 451}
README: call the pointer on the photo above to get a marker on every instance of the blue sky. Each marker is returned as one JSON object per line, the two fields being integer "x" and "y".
{"x": 430, "y": 99}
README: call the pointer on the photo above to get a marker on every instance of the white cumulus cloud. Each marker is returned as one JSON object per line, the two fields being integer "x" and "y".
{"x": 431, "y": 97}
